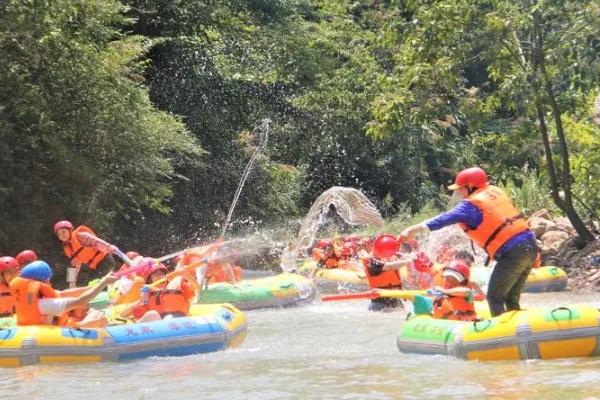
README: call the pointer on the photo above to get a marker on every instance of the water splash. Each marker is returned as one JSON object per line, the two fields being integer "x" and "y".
{"x": 264, "y": 129}
{"x": 454, "y": 238}
{"x": 349, "y": 204}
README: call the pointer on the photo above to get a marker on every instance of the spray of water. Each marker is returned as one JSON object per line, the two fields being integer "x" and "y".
{"x": 454, "y": 238}
{"x": 264, "y": 129}
{"x": 350, "y": 204}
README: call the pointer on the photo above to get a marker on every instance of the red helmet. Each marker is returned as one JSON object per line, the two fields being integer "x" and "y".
{"x": 25, "y": 257}
{"x": 458, "y": 270}
{"x": 473, "y": 177}
{"x": 385, "y": 246}
{"x": 63, "y": 224}
{"x": 422, "y": 263}
{"x": 324, "y": 243}
{"x": 7, "y": 263}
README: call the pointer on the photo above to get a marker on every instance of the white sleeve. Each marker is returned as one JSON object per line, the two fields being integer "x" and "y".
{"x": 53, "y": 307}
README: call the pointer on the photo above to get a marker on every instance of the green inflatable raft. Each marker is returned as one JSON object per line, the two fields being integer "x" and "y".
{"x": 281, "y": 290}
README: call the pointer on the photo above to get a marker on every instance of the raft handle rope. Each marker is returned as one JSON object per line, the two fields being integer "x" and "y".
{"x": 8, "y": 332}
{"x": 564, "y": 309}
{"x": 475, "y": 327}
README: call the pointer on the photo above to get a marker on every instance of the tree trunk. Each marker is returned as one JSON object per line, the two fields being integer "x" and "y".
{"x": 554, "y": 187}
{"x": 567, "y": 203}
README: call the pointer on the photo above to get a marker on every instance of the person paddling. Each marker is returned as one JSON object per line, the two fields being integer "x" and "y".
{"x": 171, "y": 297}
{"x": 37, "y": 303}
{"x": 381, "y": 270}
{"x": 453, "y": 300}
{"x": 489, "y": 219}
{"x": 80, "y": 248}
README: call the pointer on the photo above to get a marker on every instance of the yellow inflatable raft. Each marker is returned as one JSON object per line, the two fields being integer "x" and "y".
{"x": 539, "y": 333}
{"x": 215, "y": 327}
{"x": 334, "y": 280}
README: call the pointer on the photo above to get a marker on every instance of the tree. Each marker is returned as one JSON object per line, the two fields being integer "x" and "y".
{"x": 81, "y": 138}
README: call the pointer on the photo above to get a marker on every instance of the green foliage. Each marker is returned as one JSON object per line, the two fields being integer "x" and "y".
{"x": 530, "y": 191}
{"x": 81, "y": 137}
{"x": 391, "y": 97}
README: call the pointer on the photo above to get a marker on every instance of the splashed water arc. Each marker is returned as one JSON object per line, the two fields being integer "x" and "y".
{"x": 351, "y": 205}
{"x": 264, "y": 129}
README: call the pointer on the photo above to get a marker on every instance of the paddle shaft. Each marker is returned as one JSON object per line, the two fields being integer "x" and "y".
{"x": 376, "y": 293}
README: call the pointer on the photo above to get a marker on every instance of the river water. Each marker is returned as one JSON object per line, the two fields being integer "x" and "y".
{"x": 319, "y": 351}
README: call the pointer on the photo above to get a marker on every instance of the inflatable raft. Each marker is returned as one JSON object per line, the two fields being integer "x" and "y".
{"x": 281, "y": 290}
{"x": 330, "y": 281}
{"x": 517, "y": 335}
{"x": 542, "y": 279}
{"x": 218, "y": 327}
{"x": 334, "y": 280}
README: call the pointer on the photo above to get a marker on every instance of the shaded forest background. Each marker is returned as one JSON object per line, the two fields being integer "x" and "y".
{"x": 137, "y": 117}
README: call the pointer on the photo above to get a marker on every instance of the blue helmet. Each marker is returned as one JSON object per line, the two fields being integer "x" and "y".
{"x": 37, "y": 270}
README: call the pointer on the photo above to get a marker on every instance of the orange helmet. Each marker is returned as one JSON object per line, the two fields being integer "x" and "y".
{"x": 25, "y": 257}
{"x": 473, "y": 177}
{"x": 385, "y": 246}
{"x": 458, "y": 270}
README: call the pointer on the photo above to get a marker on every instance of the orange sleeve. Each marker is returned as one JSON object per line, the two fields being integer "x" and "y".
{"x": 48, "y": 292}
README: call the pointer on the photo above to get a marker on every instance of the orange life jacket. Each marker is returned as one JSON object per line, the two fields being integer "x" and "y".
{"x": 169, "y": 301}
{"x": 27, "y": 293}
{"x": 317, "y": 254}
{"x": 85, "y": 255}
{"x": 501, "y": 220}
{"x": 454, "y": 307}
{"x": 331, "y": 263}
{"x": 387, "y": 279}
{"x": 219, "y": 274}
{"x": 7, "y": 301}
{"x": 71, "y": 318}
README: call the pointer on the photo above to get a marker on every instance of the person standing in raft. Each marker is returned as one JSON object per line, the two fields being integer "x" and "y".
{"x": 37, "y": 303}
{"x": 81, "y": 248}
{"x": 489, "y": 219}
{"x": 9, "y": 269}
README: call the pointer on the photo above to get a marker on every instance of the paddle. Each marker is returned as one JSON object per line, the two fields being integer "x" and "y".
{"x": 87, "y": 239}
{"x": 376, "y": 293}
{"x": 219, "y": 242}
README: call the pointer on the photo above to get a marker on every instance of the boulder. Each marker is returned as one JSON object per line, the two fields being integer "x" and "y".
{"x": 539, "y": 225}
{"x": 554, "y": 239}
{"x": 543, "y": 213}
{"x": 555, "y": 227}
{"x": 564, "y": 224}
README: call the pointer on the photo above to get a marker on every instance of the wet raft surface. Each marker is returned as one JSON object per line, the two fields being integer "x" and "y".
{"x": 320, "y": 351}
